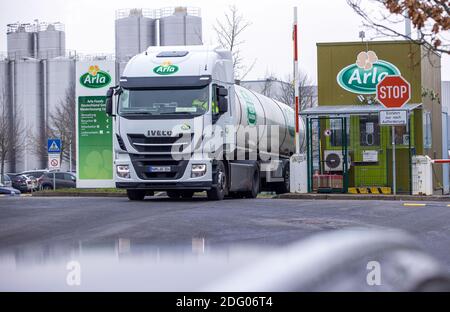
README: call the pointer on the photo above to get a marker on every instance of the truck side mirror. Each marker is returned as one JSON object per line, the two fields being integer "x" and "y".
{"x": 223, "y": 104}
{"x": 109, "y": 102}
{"x": 222, "y": 92}
{"x": 222, "y": 100}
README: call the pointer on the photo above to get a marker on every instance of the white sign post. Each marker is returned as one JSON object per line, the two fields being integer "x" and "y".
{"x": 393, "y": 118}
{"x": 393, "y": 92}
{"x": 54, "y": 163}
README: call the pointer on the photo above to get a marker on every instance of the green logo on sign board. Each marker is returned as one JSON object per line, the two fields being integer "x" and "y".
{"x": 95, "y": 78}
{"x": 363, "y": 76}
{"x": 166, "y": 68}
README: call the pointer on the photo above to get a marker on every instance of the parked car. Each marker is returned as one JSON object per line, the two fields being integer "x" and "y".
{"x": 7, "y": 181}
{"x": 62, "y": 180}
{"x": 23, "y": 182}
{"x": 8, "y": 190}
{"x": 37, "y": 174}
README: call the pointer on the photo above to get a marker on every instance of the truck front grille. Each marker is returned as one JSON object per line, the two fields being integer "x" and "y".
{"x": 143, "y": 165}
{"x": 161, "y": 145}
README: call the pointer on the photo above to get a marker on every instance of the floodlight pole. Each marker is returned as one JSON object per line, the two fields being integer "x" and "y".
{"x": 296, "y": 82}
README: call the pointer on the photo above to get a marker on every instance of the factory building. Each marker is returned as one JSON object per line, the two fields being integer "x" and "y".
{"x": 138, "y": 29}
{"x": 37, "y": 70}
{"x": 35, "y": 76}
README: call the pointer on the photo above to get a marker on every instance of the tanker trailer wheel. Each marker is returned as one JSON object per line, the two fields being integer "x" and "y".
{"x": 136, "y": 194}
{"x": 218, "y": 191}
{"x": 285, "y": 186}
{"x": 255, "y": 185}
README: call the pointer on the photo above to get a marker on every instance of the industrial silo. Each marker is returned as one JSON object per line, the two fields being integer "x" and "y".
{"x": 4, "y": 79}
{"x": 51, "y": 40}
{"x": 180, "y": 26}
{"x": 60, "y": 73}
{"x": 59, "y": 88}
{"x": 20, "y": 40}
{"x": 135, "y": 32}
{"x": 120, "y": 66}
{"x": 29, "y": 112}
{"x": 5, "y": 109}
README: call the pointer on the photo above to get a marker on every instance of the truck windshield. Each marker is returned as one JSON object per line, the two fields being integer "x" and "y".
{"x": 164, "y": 101}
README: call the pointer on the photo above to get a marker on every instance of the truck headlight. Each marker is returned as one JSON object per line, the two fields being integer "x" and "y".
{"x": 123, "y": 171}
{"x": 198, "y": 170}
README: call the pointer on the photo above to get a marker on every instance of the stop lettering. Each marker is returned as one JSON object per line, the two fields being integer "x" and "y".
{"x": 393, "y": 91}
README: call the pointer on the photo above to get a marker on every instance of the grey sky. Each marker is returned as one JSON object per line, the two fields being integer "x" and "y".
{"x": 90, "y": 27}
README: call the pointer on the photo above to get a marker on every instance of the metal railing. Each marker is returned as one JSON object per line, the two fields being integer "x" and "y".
{"x": 95, "y": 57}
{"x": 157, "y": 13}
{"x": 46, "y": 54}
{"x": 123, "y": 13}
{"x": 33, "y": 27}
{"x": 167, "y": 11}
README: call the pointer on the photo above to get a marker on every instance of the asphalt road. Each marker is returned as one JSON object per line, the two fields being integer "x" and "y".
{"x": 28, "y": 221}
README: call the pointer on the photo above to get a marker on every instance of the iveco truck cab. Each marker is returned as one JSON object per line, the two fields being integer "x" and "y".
{"x": 182, "y": 125}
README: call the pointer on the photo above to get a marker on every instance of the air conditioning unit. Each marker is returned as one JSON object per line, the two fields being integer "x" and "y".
{"x": 333, "y": 160}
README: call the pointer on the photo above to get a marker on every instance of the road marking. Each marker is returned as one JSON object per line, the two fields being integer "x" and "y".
{"x": 414, "y": 204}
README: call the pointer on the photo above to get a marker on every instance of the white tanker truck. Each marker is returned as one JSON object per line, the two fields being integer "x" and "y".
{"x": 182, "y": 125}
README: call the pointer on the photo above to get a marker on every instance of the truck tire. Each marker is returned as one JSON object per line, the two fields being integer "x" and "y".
{"x": 136, "y": 194}
{"x": 219, "y": 190}
{"x": 173, "y": 194}
{"x": 253, "y": 193}
{"x": 285, "y": 186}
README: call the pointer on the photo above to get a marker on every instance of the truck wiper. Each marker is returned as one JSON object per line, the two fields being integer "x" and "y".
{"x": 138, "y": 113}
{"x": 179, "y": 113}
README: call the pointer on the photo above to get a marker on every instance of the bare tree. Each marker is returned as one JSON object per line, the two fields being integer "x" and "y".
{"x": 12, "y": 133}
{"x": 268, "y": 86}
{"x": 62, "y": 125}
{"x": 431, "y": 19}
{"x": 287, "y": 93}
{"x": 229, "y": 33}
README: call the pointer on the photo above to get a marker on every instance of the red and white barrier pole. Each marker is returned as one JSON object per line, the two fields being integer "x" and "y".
{"x": 296, "y": 82}
{"x": 440, "y": 161}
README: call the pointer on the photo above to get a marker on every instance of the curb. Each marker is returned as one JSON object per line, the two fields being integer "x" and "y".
{"x": 440, "y": 198}
{"x": 77, "y": 194}
{"x": 20, "y": 195}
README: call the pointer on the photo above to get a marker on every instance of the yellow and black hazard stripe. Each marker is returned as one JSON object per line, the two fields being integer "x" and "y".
{"x": 370, "y": 190}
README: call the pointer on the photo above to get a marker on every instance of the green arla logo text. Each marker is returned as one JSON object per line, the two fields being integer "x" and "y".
{"x": 363, "y": 76}
{"x": 251, "y": 110}
{"x": 95, "y": 78}
{"x": 165, "y": 68}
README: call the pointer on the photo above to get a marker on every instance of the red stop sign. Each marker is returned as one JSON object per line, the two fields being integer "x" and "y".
{"x": 393, "y": 91}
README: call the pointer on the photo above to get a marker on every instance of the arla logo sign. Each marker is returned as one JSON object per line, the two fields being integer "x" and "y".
{"x": 363, "y": 76}
{"x": 166, "y": 68}
{"x": 95, "y": 78}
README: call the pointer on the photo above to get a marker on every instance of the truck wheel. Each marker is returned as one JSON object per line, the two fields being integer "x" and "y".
{"x": 255, "y": 185}
{"x": 220, "y": 182}
{"x": 136, "y": 194}
{"x": 285, "y": 186}
{"x": 173, "y": 194}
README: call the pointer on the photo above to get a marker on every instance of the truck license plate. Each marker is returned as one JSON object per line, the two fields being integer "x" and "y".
{"x": 159, "y": 169}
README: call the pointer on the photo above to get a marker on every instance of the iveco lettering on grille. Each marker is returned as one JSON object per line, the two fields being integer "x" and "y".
{"x": 159, "y": 133}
